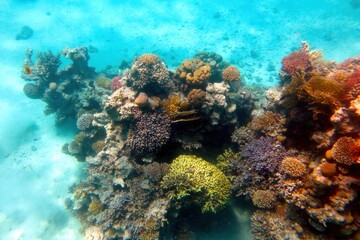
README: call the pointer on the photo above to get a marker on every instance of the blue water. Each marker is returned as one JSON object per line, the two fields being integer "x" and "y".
{"x": 253, "y": 35}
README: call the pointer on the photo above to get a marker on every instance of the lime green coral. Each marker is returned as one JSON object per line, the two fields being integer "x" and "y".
{"x": 194, "y": 180}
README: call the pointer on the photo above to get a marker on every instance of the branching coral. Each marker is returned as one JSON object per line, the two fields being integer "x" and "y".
{"x": 268, "y": 124}
{"x": 151, "y": 132}
{"x": 298, "y": 61}
{"x": 264, "y": 154}
{"x": 264, "y": 199}
{"x": 193, "y": 180}
{"x": 85, "y": 121}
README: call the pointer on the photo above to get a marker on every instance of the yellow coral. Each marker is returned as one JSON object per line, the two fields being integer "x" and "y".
{"x": 199, "y": 76}
{"x": 194, "y": 71}
{"x": 95, "y": 207}
{"x": 192, "y": 179}
{"x": 293, "y": 167}
{"x": 231, "y": 73}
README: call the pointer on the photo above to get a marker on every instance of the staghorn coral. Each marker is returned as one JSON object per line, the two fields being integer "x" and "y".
{"x": 231, "y": 73}
{"x": 264, "y": 199}
{"x": 293, "y": 167}
{"x": 151, "y": 132}
{"x": 346, "y": 150}
{"x": 193, "y": 180}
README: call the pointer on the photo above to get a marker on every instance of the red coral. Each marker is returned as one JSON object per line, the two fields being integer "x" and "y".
{"x": 295, "y": 62}
{"x": 115, "y": 83}
{"x": 346, "y": 151}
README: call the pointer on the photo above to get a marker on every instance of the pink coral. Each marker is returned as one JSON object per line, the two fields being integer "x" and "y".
{"x": 115, "y": 83}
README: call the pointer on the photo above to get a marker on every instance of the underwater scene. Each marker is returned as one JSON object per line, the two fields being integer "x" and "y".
{"x": 177, "y": 120}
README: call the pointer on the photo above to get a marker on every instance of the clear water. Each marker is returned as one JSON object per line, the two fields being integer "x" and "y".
{"x": 35, "y": 174}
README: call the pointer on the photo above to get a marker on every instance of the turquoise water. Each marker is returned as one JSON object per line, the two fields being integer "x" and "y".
{"x": 34, "y": 173}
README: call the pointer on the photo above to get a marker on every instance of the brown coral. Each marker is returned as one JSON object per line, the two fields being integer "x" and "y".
{"x": 346, "y": 150}
{"x": 196, "y": 97}
{"x": 231, "y": 73}
{"x": 328, "y": 169}
{"x": 264, "y": 199}
{"x": 293, "y": 167}
{"x": 269, "y": 123}
{"x": 149, "y": 59}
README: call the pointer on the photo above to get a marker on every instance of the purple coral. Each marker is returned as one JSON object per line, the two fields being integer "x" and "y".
{"x": 264, "y": 155}
{"x": 151, "y": 132}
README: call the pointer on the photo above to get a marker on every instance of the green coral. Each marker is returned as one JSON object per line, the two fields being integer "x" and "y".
{"x": 193, "y": 180}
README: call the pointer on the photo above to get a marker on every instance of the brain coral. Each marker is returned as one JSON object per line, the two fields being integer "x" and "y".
{"x": 193, "y": 180}
{"x": 264, "y": 199}
{"x": 151, "y": 132}
{"x": 346, "y": 150}
{"x": 293, "y": 167}
{"x": 231, "y": 73}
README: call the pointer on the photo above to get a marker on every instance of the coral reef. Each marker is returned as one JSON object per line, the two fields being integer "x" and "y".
{"x": 292, "y": 151}
{"x": 193, "y": 180}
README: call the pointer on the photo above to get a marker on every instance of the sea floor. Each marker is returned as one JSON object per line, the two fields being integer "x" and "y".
{"x": 35, "y": 174}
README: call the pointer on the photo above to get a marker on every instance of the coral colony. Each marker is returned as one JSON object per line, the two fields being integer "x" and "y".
{"x": 158, "y": 141}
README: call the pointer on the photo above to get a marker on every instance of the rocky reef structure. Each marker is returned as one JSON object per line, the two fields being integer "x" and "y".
{"x": 67, "y": 92}
{"x": 293, "y": 152}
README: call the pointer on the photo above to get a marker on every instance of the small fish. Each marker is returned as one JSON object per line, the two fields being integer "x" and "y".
{"x": 27, "y": 70}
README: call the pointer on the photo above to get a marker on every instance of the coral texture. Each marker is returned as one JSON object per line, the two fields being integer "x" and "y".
{"x": 193, "y": 180}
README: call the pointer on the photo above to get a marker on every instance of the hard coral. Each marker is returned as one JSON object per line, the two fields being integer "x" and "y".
{"x": 194, "y": 72}
{"x": 193, "y": 180}
{"x": 269, "y": 123}
{"x": 151, "y": 132}
{"x": 231, "y": 73}
{"x": 264, "y": 155}
{"x": 293, "y": 167}
{"x": 84, "y": 121}
{"x": 196, "y": 97}
{"x": 177, "y": 108}
{"x": 346, "y": 150}
{"x": 295, "y": 62}
{"x": 264, "y": 199}
{"x": 149, "y": 59}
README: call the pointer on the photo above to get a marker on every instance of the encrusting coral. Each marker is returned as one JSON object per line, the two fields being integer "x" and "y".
{"x": 193, "y": 180}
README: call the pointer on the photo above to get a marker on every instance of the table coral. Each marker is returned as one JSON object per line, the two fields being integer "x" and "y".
{"x": 193, "y": 180}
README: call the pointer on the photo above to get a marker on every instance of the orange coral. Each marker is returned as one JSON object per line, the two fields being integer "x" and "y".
{"x": 194, "y": 71}
{"x": 346, "y": 150}
{"x": 231, "y": 73}
{"x": 328, "y": 169}
{"x": 264, "y": 199}
{"x": 293, "y": 167}
{"x": 178, "y": 109}
{"x": 149, "y": 59}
